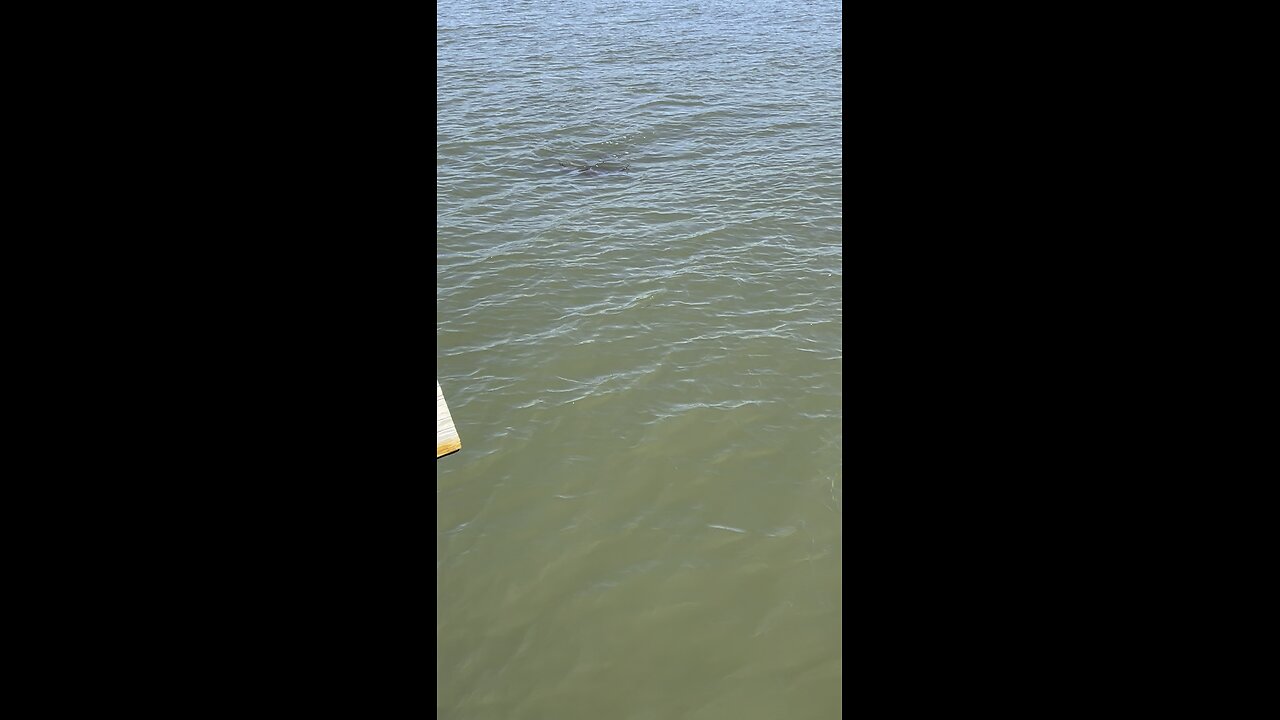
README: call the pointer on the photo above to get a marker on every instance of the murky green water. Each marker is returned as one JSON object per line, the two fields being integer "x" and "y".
{"x": 642, "y": 357}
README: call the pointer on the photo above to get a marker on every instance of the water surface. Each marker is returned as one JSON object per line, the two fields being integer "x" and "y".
{"x": 638, "y": 316}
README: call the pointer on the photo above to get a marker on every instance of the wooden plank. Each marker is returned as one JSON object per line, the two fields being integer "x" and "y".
{"x": 447, "y": 440}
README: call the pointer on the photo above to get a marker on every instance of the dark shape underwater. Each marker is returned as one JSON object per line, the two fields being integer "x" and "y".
{"x": 603, "y": 167}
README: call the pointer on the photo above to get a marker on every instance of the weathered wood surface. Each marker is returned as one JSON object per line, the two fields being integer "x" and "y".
{"x": 447, "y": 439}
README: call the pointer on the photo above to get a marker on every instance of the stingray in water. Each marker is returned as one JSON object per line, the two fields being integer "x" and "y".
{"x": 600, "y": 168}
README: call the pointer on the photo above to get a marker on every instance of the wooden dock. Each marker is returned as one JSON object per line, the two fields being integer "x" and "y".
{"x": 447, "y": 440}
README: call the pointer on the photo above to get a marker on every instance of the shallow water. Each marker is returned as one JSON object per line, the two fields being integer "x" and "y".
{"x": 638, "y": 316}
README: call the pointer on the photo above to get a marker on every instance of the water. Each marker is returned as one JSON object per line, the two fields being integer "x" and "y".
{"x": 638, "y": 316}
